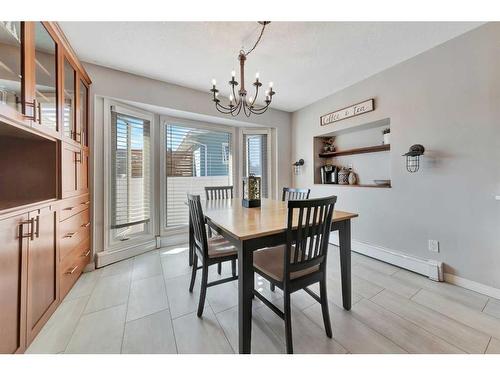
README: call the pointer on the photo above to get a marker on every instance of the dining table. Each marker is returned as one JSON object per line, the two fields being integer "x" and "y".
{"x": 251, "y": 229}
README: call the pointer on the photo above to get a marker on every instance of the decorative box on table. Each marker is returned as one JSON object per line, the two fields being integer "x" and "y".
{"x": 251, "y": 191}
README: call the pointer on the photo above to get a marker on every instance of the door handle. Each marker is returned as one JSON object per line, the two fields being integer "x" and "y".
{"x": 68, "y": 208}
{"x": 69, "y": 235}
{"x": 37, "y": 230}
{"x": 30, "y": 234}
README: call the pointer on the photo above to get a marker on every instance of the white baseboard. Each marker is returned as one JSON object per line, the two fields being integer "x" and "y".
{"x": 472, "y": 285}
{"x": 174, "y": 239}
{"x": 112, "y": 256}
{"x": 427, "y": 267}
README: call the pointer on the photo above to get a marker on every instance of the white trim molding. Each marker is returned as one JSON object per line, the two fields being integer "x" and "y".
{"x": 472, "y": 285}
{"x": 107, "y": 257}
{"x": 427, "y": 267}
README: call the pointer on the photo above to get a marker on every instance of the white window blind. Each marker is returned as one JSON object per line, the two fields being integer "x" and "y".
{"x": 130, "y": 171}
{"x": 195, "y": 158}
{"x": 255, "y": 161}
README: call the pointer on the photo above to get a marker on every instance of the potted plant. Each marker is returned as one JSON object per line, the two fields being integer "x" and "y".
{"x": 387, "y": 136}
{"x": 328, "y": 144}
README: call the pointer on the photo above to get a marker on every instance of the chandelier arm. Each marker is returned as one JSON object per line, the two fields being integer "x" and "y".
{"x": 240, "y": 104}
{"x": 259, "y": 111}
{"x": 224, "y": 107}
{"x": 224, "y": 110}
{"x": 255, "y": 96}
{"x": 235, "y": 113}
{"x": 245, "y": 107}
{"x": 258, "y": 40}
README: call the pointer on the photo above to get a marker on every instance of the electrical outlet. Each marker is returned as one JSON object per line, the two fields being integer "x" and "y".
{"x": 434, "y": 246}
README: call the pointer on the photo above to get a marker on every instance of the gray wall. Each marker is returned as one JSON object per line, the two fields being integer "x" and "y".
{"x": 447, "y": 99}
{"x": 128, "y": 87}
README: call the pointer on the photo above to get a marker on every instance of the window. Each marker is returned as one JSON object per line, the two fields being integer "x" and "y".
{"x": 255, "y": 160}
{"x": 130, "y": 175}
{"x": 195, "y": 157}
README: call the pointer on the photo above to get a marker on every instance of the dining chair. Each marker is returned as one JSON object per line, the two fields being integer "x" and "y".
{"x": 214, "y": 193}
{"x": 294, "y": 194}
{"x": 219, "y": 192}
{"x": 301, "y": 262}
{"x": 210, "y": 251}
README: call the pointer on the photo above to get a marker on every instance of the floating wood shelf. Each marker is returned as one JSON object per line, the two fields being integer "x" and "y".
{"x": 353, "y": 151}
{"x": 359, "y": 185}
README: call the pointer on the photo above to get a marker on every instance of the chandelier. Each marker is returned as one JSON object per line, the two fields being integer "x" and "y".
{"x": 242, "y": 101}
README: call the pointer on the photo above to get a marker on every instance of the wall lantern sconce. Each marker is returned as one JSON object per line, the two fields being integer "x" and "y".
{"x": 297, "y": 165}
{"x": 413, "y": 158}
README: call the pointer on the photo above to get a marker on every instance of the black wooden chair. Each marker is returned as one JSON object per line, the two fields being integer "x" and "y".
{"x": 214, "y": 193}
{"x": 219, "y": 192}
{"x": 210, "y": 251}
{"x": 295, "y": 194}
{"x": 302, "y": 261}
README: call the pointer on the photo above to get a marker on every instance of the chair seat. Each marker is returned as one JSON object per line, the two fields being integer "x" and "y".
{"x": 270, "y": 261}
{"x": 218, "y": 247}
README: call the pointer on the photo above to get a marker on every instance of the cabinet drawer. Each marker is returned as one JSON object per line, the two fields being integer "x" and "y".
{"x": 73, "y": 264}
{"x": 73, "y": 231}
{"x": 72, "y": 206}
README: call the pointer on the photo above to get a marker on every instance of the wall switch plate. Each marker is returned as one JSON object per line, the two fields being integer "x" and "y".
{"x": 434, "y": 246}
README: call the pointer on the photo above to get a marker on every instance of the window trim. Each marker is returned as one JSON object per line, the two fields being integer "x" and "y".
{"x": 270, "y": 164}
{"x": 111, "y": 244}
{"x": 164, "y": 121}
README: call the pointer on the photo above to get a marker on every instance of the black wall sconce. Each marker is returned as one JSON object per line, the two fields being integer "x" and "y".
{"x": 297, "y": 165}
{"x": 413, "y": 158}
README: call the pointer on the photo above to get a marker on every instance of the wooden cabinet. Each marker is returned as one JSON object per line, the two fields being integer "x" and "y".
{"x": 44, "y": 177}
{"x": 43, "y": 267}
{"x": 14, "y": 233}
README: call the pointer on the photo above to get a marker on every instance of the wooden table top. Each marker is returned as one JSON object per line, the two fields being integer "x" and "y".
{"x": 246, "y": 223}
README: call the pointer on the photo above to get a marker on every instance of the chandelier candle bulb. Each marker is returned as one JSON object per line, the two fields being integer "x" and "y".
{"x": 214, "y": 82}
{"x": 270, "y": 84}
{"x": 257, "y": 76}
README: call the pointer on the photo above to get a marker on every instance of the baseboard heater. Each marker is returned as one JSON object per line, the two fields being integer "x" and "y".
{"x": 427, "y": 267}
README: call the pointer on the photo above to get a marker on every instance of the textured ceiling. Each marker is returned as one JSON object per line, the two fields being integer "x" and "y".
{"x": 306, "y": 60}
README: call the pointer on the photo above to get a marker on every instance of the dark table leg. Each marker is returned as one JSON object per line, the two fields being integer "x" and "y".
{"x": 345, "y": 261}
{"x": 191, "y": 241}
{"x": 245, "y": 293}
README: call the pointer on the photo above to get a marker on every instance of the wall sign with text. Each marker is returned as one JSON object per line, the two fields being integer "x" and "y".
{"x": 347, "y": 112}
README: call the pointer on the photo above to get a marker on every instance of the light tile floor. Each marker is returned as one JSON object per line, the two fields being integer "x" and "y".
{"x": 142, "y": 305}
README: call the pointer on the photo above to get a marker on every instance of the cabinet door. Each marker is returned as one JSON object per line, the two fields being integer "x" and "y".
{"x": 82, "y": 133}
{"x": 83, "y": 172}
{"x": 43, "y": 267}
{"x": 45, "y": 67}
{"x": 11, "y": 75}
{"x": 13, "y": 283}
{"x": 69, "y": 104}
{"x": 70, "y": 156}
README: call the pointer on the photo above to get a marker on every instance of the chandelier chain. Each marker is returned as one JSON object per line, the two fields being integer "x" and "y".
{"x": 257, "y": 42}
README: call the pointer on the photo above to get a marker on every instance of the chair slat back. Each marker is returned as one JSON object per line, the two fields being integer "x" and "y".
{"x": 198, "y": 220}
{"x": 218, "y": 192}
{"x": 307, "y": 243}
{"x": 295, "y": 194}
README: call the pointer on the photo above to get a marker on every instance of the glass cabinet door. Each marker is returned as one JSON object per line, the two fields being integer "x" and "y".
{"x": 69, "y": 100}
{"x": 45, "y": 78}
{"x": 10, "y": 64}
{"x": 83, "y": 109}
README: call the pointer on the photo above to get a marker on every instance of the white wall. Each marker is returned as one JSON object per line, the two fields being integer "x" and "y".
{"x": 179, "y": 101}
{"x": 447, "y": 99}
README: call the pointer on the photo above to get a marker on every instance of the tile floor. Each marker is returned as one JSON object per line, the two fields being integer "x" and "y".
{"x": 142, "y": 305}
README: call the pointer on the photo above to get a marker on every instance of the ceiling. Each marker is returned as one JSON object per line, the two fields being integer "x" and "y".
{"x": 306, "y": 60}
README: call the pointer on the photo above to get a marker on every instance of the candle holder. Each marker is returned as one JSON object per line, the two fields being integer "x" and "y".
{"x": 251, "y": 191}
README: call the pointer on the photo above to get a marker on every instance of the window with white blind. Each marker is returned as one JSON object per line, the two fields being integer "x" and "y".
{"x": 195, "y": 157}
{"x": 256, "y": 158}
{"x": 130, "y": 175}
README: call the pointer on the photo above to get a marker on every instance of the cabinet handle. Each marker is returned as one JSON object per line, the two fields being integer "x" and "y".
{"x": 69, "y": 235}
{"x": 86, "y": 203}
{"x": 78, "y": 156}
{"x": 71, "y": 271}
{"x": 39, "y": 108}
{"x": 30, "y": 234}
{"x": 37, "y": 230}
{"x": 68, "y": 208}
{"x": 86, "y": 225}
{"x": 33, "y": 105}
{"x": 86, "y": 254}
